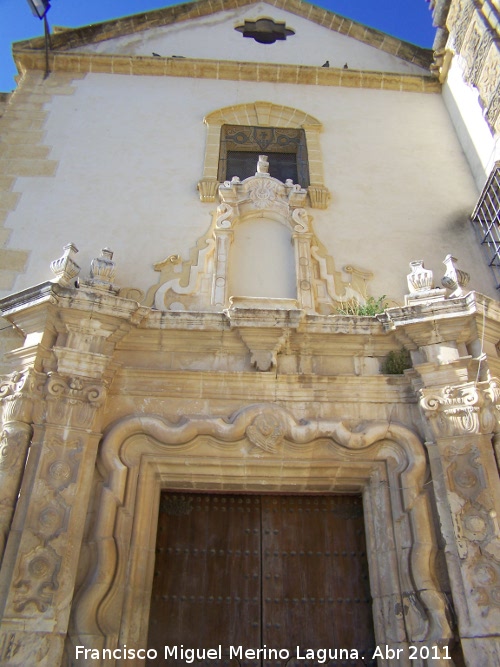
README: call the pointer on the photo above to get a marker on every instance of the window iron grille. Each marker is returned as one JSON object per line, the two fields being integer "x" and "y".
{"x": 486, "y": 221}
{"x": 285, "y": 147}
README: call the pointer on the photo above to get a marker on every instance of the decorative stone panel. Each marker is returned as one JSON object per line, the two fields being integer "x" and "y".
{"x": 202, "y": 281}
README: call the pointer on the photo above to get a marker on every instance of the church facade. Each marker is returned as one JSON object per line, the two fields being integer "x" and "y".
{"x": 250, "y": 341}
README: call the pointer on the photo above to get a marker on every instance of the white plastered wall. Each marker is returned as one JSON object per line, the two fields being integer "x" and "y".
{"x": 130, "y": 152}
{"x": 215, "y": 37}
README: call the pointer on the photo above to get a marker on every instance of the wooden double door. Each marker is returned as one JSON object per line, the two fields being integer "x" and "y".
{"x": 261, "y": 572}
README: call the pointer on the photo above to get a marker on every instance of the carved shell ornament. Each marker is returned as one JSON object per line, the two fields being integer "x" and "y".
{"x": 266, "y": 431}
{"x": 263, "y": 193}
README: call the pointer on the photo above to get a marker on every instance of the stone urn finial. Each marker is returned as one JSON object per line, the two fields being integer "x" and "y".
{"x": 65, "y": 268}
{"x": 102, "y": 270}
{"x": 262, "y": 165}
{"x": 420, "y": 279}
{"x": 454, "y": 279}
{"x": 421, "y": 286}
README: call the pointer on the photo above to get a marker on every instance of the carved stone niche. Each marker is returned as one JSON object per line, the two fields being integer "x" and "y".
{"x": 260, "y": 245}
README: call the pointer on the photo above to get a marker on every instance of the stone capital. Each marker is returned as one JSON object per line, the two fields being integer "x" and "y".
{"x": 72, "y": 400}
{"x": 18, "y": 393}
{"x": 466, "y": 409}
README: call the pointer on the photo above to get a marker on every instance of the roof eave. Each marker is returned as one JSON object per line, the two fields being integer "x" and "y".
{"x": 77, "y": 37}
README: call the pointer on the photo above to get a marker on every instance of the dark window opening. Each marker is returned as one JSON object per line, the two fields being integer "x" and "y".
{"x": 244, "y": 164}
{"x": 286, "y": 150}
{"x": 265, "y": 30}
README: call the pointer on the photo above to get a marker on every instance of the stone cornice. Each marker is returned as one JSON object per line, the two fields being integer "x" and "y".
{"x": 29, "y": 296}
{"x": 198, "y": 68}
{"x": 74, "y": 38}
{"x": 451, "y": 319}
{"x": 22, "y": 307}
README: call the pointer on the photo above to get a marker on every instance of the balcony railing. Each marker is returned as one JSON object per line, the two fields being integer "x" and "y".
{"x": 486, "y": 221}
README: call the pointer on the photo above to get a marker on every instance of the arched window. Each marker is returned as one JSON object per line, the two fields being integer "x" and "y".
{"x": 287, "y": 132}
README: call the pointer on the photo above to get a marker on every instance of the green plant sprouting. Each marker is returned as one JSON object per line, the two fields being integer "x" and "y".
{"x": 396, "y": 362}
{"x": 370, "y": 308}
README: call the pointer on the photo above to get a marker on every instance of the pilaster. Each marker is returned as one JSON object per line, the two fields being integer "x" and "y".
{"x": 460, "y": 419}
{"x": 41, "y": 557}
{"x": 53, "y": 481}
{"x": 19, "y": 394}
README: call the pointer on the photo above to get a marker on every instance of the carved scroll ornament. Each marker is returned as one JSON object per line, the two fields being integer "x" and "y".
{"x": 38, "y": 579}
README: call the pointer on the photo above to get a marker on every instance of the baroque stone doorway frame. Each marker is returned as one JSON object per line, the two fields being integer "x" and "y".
{"x": 261, "y": 448}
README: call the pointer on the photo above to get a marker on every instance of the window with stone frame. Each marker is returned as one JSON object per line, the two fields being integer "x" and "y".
{"x": 266, "y": 128}
{"x": 240, "y": 147}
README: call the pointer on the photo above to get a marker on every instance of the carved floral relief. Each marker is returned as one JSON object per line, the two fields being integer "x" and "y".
{"x": 11, "y": 441}
{"x": 37, "y": 579}
{"x": 19, "y": 393}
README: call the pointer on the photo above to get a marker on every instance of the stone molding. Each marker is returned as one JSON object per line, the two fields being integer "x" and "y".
{"x": 198, "y": 68}
{"x": 385, "y": 459}
{"x": 246, "y": 449}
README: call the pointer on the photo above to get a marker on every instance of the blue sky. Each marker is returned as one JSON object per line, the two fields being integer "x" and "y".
{"x": 410, "y": 20}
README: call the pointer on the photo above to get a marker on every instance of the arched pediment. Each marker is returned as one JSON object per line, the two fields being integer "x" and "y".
{"x": 262, "y": 113}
